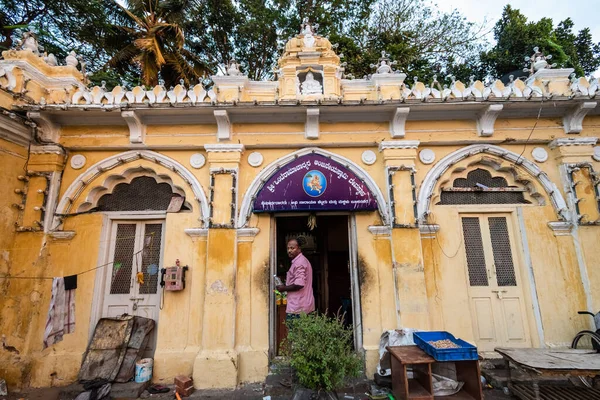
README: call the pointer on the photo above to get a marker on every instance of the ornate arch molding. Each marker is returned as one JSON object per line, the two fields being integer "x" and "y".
{"x": 78, "y": 186}
{"x": 109, "y": 184}
{"x": 269, "y": 170}
{"x": 431, "y": 179}
{"x": 496, "y": 167}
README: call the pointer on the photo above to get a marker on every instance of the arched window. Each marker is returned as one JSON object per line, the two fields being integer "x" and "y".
{"x": 143, "y": 193}
{"x": 479, "y": 187}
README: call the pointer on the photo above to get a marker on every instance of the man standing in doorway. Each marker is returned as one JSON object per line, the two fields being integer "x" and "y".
{"x": 300, "y": 299}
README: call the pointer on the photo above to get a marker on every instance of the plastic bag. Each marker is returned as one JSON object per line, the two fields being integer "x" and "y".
{"x": 398, "y": 337}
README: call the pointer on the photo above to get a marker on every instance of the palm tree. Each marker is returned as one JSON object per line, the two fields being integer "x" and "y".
{"x": 154, "y": 41}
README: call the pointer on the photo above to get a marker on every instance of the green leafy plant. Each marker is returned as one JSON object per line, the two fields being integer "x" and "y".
{"x": 319, "y": 349}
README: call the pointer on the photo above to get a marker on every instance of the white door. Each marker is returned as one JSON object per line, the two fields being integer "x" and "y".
{"x": 131, "y": 284}
{"x": 495, "y": 288}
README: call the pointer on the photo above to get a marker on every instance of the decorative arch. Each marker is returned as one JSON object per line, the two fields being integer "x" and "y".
{"x": 110, "y": 183}
{"x": 431, "y": 179}
{"x": 77, "y": 187}
{"x": 272, "y": 168}
{"x": 498, "y": 169}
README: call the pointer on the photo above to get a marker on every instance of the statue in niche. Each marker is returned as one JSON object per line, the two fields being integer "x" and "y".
{"x": 311, "y": 85}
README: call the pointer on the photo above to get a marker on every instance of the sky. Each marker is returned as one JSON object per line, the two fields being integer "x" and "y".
{"x": 584, "y": 13}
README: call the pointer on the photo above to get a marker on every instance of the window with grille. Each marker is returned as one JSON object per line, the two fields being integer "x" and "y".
{"x": 503, "y": 260}
{"x": 123, "y": 259}
{"x": 474, "y": 250}
{"x": 479, "y": 187}
{"x": 151, "y": 258}
{"x": 142, "y": 194}
{"x": 491, "y": 233}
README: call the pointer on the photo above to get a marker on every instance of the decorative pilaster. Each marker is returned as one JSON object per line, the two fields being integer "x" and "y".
{"x": 42, "y": 184}
{"x": 400, "y": 157}
{"x": 218, "y": 357}
{"x": 580, "y": 186}
{"x": 409, "y": 278}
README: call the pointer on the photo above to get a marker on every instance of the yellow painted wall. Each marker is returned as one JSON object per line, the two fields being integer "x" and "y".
{"x": 405, "y": 279}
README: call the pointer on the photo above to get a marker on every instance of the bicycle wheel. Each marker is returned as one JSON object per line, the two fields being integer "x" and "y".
{"x": 586, "y": 340}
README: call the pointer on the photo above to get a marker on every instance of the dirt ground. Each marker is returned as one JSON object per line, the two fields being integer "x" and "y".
{"x": 250, "y": 392}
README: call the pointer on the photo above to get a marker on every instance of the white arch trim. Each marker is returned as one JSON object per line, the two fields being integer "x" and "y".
{"x": 82, "y": 181}
{"x": 269, "y": 170}
{"x": 432, "y": 177}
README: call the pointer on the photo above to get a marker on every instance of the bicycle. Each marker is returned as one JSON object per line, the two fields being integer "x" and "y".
{"x": 587, "y": 339}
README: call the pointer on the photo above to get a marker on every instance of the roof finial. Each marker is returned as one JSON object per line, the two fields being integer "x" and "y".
{"x": 537, "y": 61}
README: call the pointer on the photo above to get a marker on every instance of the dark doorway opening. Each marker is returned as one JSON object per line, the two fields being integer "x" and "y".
{"x": 327, "y": 248}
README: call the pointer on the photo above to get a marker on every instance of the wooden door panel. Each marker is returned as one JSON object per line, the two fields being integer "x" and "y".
{"x": 484, "y": 319}
{"x": 116, "y": 310}
{"x": 512, "y": 313}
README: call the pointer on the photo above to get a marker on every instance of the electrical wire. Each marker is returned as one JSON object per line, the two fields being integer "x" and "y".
{"x": 440, "y": 246}
{"x": 530, "y": 133}
{"x": 135, "y": 254}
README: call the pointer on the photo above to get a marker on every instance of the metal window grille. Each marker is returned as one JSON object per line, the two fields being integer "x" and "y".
{"x": 478, "y": 195}
{"x": 474, "y": 250}
{"x": 123, "y": 259}
{"x": 142, "y": 194}
{"x": 151, "y": 258}
{"x": 503, "y": 260}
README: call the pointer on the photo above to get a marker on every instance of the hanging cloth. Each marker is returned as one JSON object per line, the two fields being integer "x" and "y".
{"x": 61, "y": 314}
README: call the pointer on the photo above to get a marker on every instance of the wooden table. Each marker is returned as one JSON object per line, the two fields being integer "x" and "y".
{"x": 547, "y": 362}
{"x": 420, "y": 387}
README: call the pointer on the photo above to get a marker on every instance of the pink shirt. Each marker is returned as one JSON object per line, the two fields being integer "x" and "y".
{"x": 300, "y": 273}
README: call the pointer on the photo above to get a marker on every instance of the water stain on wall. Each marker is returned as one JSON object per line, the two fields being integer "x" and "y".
{"x": 364, "y": 277}
{"x": 262, "y": 279}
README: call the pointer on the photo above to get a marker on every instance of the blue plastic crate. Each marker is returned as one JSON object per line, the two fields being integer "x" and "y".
{"x": 466, "y": 351}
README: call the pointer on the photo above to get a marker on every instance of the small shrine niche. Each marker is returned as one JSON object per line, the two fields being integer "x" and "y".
{"x": 310, "y": 81}
{"x": 309, "y": 69}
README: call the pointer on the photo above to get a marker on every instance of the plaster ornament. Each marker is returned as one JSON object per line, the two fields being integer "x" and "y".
{"x": 197, "y": 160}
{"x": 255, "y": 159}
{"x": 427, "y": 156}
{"x": 29, "y": 42}
{"x": 596, "y": 155}
{"x": 72, "y": 59}
{"x": 539, "y": 154}
{"x": 233, "y": 69}
{"x": 309, "y": 41}
{"x": 50, "y": 59}
{"x": 310, "y": 85}
{"x": 308, "y": 32}
{"x": 369, "y": 157}
{"x": 384, "y": 64}
{"x": 78, "y": 161}
{"x": 538, "y": 61}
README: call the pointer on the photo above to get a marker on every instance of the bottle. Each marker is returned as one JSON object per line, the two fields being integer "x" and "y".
{"x": 277, "y": 280}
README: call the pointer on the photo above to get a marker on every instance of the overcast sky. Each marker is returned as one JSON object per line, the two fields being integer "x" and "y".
{"x": 584, "y": 13}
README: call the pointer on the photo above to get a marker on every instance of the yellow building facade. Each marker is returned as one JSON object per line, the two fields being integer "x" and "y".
{"x": 481, "y": 213}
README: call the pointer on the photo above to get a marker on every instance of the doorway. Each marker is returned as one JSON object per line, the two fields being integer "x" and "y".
{"x": 500, "y": 317}
{"x": 328, "y": 247}
{"x": 129, "y": 283}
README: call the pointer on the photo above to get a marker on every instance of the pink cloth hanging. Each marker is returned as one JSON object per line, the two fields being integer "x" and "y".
{"x": 61, "y": 314}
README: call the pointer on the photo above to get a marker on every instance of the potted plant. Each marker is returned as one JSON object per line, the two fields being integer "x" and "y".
{"x": 319, "y": 350}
